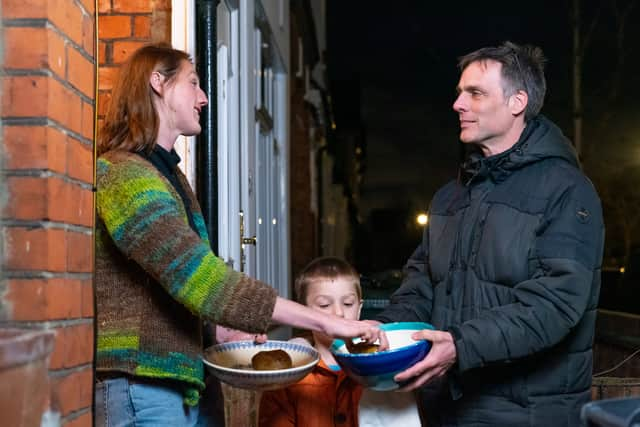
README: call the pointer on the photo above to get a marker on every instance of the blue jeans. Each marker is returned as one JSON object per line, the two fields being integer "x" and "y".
{"x": 121, "y": 403}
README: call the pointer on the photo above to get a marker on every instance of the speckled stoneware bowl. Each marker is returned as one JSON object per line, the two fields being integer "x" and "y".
{"x": 376, "y": 370}
{"x": 231, "y": 363}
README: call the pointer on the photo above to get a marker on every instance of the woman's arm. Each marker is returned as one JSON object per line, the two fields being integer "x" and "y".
{"x": 297, "y": 315}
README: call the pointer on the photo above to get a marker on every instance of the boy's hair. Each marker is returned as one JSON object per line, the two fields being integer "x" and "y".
{"x": 325, "y": 268}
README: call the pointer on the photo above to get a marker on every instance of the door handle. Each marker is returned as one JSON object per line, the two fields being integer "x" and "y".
{"x": 244, "y": 241}
{"x": 249, "y": 240}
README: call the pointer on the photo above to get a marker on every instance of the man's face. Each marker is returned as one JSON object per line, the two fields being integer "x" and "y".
{"x": 487, "y": 118}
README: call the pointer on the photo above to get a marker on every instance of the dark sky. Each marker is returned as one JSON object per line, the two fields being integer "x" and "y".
{"x": 402, "y": 55}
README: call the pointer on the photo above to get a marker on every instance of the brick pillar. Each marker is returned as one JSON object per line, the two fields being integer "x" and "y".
{"x": 47, "y": 220}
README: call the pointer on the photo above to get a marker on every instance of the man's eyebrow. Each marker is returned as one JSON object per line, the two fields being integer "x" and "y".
{"x": 469, "y": 88}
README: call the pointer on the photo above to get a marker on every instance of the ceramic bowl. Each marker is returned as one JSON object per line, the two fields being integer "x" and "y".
{"x": 376, "y": 370}
{"x": 231, "y": 363}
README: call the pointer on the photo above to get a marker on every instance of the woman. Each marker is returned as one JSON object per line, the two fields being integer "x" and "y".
{"x": 156, "y": 276}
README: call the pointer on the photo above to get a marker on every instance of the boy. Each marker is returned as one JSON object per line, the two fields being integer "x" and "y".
{"x": 327, "y": 397}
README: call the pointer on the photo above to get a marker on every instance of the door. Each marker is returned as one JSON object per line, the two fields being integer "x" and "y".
{"x": 253, "y": 143}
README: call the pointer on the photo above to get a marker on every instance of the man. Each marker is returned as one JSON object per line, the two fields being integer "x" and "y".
{"x": 508, "y": 270}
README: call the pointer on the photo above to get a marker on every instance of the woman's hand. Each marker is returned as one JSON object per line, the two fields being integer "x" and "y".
{"x": 227, "y": 335}
{"x": 367, "y": 330}
{"x": 291, "y": 313}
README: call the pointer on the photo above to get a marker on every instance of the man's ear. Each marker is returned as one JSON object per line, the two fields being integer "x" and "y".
{"x": 518, "y": 102}
{"x": 156, "y": 80}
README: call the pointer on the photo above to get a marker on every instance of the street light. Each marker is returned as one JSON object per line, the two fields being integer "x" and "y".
{"x": 422, "y": 219}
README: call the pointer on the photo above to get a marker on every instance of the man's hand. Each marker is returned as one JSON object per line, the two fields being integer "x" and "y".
{"x": 435, "y": 364}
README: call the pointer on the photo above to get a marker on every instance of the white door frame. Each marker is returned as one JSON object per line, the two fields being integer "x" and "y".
{"x": 238, "y": 68}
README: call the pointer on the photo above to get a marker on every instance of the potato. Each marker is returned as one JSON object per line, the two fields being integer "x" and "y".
{"x": 271, "y": 360}
{"x": 362, "y": 347}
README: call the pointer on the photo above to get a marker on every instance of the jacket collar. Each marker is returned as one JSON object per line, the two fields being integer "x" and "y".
{"x": 477, "y": 167}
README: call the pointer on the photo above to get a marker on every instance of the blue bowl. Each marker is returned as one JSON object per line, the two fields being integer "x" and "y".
{"x": 376, "y": 370}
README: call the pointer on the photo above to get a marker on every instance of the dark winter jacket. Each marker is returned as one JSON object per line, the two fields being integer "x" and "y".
{"x": 510, "y": 265}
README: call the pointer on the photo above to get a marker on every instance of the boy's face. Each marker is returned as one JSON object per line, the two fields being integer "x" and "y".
{"x": 337, "y": 297}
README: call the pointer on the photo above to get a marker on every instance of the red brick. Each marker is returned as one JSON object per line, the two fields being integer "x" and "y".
{"x": 80, "y": 208}
{"x": 48, "y": 199}
{"x": 67, "y": 17}
{"x": 104, "y": 98}
{"x": 142, "y": 27}
{"x": 28, "y": 197}
{"x": 46, "y": 299}
{"x": 161, "y": 26}
{"x": 104, "y": 6}
{"x": 86, "y": 291}
{"x": 24, "y": 96}
{"x": 25, "y": 47}
{"x": 88, "y": 34}
{"x": 102, "y": 52}
{"x": 163, "y": 5}
{"x": 89, "y": 6}
{"x": 81, "y": 72}
{"x": 73, "y": 346}
{"x": 12, "y": 9}
{"x": 34, "y": 48}
{"x": 84, "y": 420}
{"x": 79, "y": 256}
{"x": 114, "y": 26}
{"x": 57, "y": 60}
{"x": 80, "y": 165}
{"x": 72, "y": 392}
{"x": 122, "y": 50}
{"x": 24, "y": 391}
{"x": 35, "y": 249}
{"x": 64, "y": 107}
{"x": 88, "y": 119}
{"x": 133, "y": 6}
{"x": 35, "y": 147}
{"x": 38, "y": 96}
{"x": 107, "y": 77}
{"x": 60, "y": 199}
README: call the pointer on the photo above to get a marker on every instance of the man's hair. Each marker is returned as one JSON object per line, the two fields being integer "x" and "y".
{"x": 322, "y": 269}
{"x": 131, "y": 122}
{"x": 522, "y": 69}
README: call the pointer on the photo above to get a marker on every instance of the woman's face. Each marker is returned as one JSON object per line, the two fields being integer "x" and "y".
{"x": 182, "y": 102}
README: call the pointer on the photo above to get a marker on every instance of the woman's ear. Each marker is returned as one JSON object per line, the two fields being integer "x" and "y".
{"x": 361, "y": 303}
{"x": 156, "y": 81}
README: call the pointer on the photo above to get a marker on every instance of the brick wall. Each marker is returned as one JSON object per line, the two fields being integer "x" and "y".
{"x": 123, "y": 27}
{"x": 47, "y": 220}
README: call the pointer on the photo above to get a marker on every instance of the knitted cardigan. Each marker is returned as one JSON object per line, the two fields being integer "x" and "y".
{"x": 156, "y": 278}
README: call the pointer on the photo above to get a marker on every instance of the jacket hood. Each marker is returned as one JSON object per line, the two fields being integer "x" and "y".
{"x": 541, "y": 139}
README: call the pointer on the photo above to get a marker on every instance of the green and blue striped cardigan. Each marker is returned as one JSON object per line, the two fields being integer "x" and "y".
{"x": 157, "y": 279}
